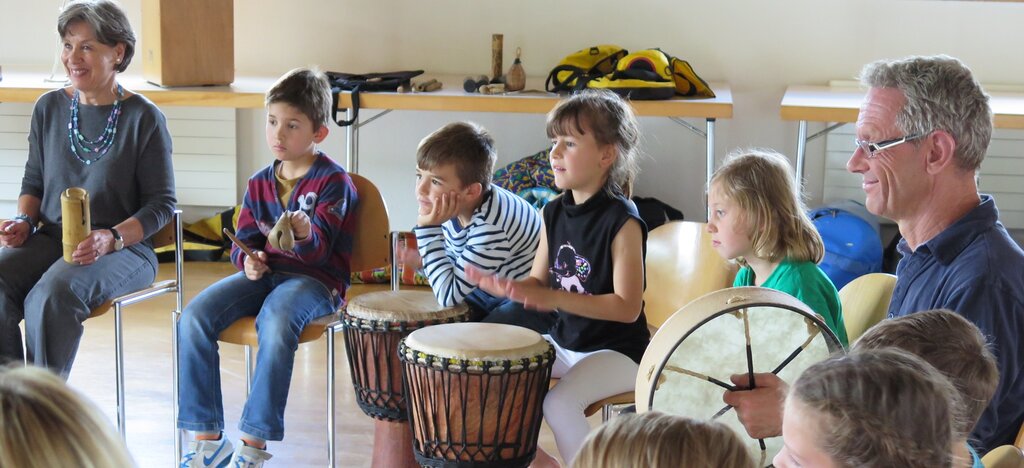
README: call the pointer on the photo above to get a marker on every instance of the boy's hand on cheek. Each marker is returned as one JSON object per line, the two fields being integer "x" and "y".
{"x": 445, "y": 207}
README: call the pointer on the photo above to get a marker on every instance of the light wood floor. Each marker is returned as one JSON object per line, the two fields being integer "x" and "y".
{"x": 148, "y": 386}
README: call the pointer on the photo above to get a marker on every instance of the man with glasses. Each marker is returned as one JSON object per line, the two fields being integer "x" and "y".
{"x": 922, "y": 133}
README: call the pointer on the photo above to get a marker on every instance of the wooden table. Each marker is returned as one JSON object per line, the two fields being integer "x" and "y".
{"x": 841, "y": 105}
{"x": 248, "y": 93}
{"x": 452, "y": 98}
{"x": 244, "y": 93}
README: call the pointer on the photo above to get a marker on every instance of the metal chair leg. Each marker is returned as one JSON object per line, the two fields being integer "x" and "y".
{"x": 119, "y": 368}
{"x": 174, "y": 383}
{"x": 330, "y": 397}
{"x": 179, "y": 276}
{"x": 248, "y": 371}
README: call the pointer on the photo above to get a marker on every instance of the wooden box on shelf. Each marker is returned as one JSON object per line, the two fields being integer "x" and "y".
{"x": 188, "y": 42}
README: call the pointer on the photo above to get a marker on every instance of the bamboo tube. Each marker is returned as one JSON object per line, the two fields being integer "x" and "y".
{"x": 75, "y": 221}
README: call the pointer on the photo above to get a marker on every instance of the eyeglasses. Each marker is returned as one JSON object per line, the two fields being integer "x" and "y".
{"x": 872, "y": 149}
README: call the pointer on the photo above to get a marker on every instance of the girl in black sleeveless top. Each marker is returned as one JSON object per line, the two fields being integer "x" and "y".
{"x": 589, "y": 265}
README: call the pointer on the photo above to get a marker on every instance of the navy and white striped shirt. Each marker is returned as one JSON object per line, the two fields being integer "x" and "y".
{"x": 501, "y": 239}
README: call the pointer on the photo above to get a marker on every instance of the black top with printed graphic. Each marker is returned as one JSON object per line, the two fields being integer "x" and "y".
{"x": 579, "y": 249}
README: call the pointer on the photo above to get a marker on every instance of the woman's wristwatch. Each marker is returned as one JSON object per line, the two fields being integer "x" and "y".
{"x": 27, "y": 219}
{"x": 118, "y": 241}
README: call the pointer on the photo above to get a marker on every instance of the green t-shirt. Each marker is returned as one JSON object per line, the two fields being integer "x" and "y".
{"x": 806, "y": 282}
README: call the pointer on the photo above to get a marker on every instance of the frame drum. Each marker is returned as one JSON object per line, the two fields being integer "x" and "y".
{"x": 374, "y": 323}
{"x": 746, "y": 330}
{"x": 476, "y": 393}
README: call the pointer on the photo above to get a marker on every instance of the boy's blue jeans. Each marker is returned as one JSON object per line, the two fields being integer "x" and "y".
{"x": 283, "y": 305}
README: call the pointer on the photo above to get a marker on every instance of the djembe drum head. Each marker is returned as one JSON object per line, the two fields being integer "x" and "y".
{"x": 374, "y": 324}
{"x": 476, "y": 392}
{"x": 688, "y": 364}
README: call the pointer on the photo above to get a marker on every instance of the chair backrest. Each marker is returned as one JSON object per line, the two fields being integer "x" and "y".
{"x": 1006, "y": 456}
{"x": 681, "y": 266}
{"x": 371, "y": 247}
{"x": 865, "y": 302}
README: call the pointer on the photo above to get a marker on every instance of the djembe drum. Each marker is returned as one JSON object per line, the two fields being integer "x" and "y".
{"x": 374, "y": 323}
{"x": 748, "y": 330}
{"x": 476, "y": 391}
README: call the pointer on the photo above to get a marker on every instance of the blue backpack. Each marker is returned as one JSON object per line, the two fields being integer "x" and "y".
{"x": 852, "y": 245}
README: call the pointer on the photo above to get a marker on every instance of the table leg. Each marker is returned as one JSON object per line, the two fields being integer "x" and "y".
{"x": 351, "y": 144}
{"x": 709, "y": 138}
{"x": 801, "y": 152}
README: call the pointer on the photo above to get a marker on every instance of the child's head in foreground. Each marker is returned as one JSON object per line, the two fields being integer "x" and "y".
{"x": 659, "y": 440}
{"x": 872, "y": 408}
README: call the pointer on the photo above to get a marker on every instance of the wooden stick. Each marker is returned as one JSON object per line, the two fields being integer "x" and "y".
{"x": 241, "y": 246}
{"x": 700, "y": 376}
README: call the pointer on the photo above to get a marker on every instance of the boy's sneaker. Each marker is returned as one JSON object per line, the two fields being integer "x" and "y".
{"x": 208, "y": 453}
{"x": 248, "y": 457}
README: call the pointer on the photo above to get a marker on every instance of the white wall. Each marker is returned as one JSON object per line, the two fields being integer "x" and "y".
{"x": 759, "y": 47}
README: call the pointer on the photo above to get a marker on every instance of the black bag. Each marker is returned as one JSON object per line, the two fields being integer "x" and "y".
{"x": 388, "y": 81}
{"x": 655, "y": 212}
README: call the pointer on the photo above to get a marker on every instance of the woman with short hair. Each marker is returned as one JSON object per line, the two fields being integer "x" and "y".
{"x": 96, "y": 135}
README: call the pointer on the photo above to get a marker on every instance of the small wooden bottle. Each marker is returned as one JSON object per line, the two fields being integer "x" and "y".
{"x": 515, "y": 80}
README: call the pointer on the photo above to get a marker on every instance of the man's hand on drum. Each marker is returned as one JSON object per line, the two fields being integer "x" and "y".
{"x": 13, "y": 233}
{"x": 98, "y": 243}
{"x": 441, "y": 209}
{"x": 760, "y": 409}
{"x": 300, "y": 224}
{"x": 254, "y": 269}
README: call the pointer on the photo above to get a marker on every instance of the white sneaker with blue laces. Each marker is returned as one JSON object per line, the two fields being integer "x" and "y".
{"x": 248, "y": 457}
{"x": 208, "y": 453}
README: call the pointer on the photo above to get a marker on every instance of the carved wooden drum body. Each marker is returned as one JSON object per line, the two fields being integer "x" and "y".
{"x": 476, "y": 393}
{"x": 374, "y": 324}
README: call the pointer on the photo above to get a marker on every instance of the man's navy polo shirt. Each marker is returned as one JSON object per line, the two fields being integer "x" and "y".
{"x": 977, "y": 270}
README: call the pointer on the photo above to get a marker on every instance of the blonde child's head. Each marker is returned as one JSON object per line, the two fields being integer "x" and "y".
{"x": 872, "y": 408}
{"x": 759, "y": 182}
{"x": 952, "y": 345}
{"x": 611, "y": 122}
{"x": 660, "y": 440}
{"x": 43, "y": 423}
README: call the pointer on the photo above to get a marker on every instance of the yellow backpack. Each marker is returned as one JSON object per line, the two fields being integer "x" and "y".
{"x": 577, "y": 69}
{"x": 653, "y": 74}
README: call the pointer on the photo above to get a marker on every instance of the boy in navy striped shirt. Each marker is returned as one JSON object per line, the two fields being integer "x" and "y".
{"x": 464, "y": 220}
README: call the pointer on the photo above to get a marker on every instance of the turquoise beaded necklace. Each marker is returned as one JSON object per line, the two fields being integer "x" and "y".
{"x": 100, "y": 145}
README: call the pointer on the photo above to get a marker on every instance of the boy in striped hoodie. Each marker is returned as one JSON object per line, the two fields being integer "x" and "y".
{"x": 464, "y": 220}
{"x": 284, "y": 286}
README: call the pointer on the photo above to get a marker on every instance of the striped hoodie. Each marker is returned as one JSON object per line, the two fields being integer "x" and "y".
{"x": 500, "y": 239}
{"x": 326, "y": 194}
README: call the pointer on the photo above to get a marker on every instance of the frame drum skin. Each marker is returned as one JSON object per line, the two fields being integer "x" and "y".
{"x": 707, "y": 341}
